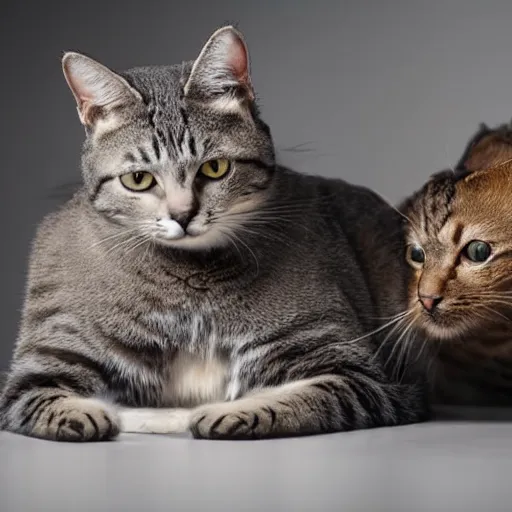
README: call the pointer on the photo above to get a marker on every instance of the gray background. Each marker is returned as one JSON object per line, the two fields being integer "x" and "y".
{"x": 380, "y": 93}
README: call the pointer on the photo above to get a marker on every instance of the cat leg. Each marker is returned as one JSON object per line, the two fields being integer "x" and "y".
{"x": 50, "y": 396}
{"x": 350, "y": 396}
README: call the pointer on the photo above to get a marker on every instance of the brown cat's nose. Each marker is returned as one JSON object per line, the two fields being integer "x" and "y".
{"x": 430, "y": 302}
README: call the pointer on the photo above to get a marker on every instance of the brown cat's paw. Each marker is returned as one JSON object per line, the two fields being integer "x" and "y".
{"x": 230, "y": 421}
{"x": 78, "y": 420}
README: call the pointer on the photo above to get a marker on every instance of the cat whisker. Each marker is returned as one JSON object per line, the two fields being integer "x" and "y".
{"x": 250, "y": 250}
{"x": 395, "y": 328}
{"x": 408, "y": 346}
{"x": 426, "y": 341}
{"x": 122, "y": 244}
{"x": 145, "y": 254}
{"x": 112, "y": 237}
{"x": 141, "y": 241}
{"x": 400, "y": 344}
{"x": 387, "y": 317}
{"x": 488, "y": 308}
{"x": 261, "y": 219}
{"x": 431, "y": 368}
{"x": 397, "y": 342}
{"x": 266, "y": 235}
{"x": 494, "y": 294}
{"x": 228, "y": 236}
{"x": 391, "y": 205}
{"x": 500, "y": 301}
{"x": 261, "y": 226}
{"x": 398, "y": 318}
{"x": 402, "y": 358}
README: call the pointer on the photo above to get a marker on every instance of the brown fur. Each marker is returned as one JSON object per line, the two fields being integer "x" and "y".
{"x": 472, "y": 325}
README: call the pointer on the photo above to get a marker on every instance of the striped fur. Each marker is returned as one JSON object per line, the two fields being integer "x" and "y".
{"x": 254, "y": 327}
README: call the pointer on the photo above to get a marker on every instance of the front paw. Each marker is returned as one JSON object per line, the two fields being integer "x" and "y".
{"x": 230, "y": 420}
{"x": 78, "y": 420}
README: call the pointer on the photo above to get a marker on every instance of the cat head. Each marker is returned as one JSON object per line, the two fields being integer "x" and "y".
{"x": 178, "y": 154}
{"x": 459, "y": 243}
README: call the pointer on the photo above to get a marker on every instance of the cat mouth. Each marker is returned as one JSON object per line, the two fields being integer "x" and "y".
{"x": 441, "y": 325}
{"x": 169, "y": 229}
{"x": 195, "y": 236}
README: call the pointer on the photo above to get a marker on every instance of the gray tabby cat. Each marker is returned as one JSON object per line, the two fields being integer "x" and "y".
{"x": 194, "y": 284}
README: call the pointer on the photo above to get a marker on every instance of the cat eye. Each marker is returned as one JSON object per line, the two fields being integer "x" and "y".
{"x": 477, "y": 251}
{"x": 139, "y": 181}
{"x": 215, "y": 168}
{"x": 415, "y": 255}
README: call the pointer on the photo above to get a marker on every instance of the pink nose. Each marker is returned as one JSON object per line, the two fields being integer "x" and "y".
{"x": 430, "y": 302}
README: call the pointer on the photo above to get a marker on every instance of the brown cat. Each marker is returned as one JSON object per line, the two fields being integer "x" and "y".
{"x": 459, "y": 242}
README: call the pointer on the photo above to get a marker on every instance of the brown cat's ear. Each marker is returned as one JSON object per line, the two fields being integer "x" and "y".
{"x": 487, "y": 149}
{"x": 220, "y": 75}
{"x": 97, "y": 89}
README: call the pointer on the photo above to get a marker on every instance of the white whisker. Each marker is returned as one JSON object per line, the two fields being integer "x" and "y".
{"x": 398, "y": 317}
{"x": 115, "y": 235}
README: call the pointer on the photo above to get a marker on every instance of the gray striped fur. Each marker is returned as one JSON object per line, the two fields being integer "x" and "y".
{"x": 255, "y": 328}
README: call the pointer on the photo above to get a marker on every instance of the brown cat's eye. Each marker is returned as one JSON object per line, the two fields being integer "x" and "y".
{"x": 415, "y": 255}
{"x": 477, "y": 251}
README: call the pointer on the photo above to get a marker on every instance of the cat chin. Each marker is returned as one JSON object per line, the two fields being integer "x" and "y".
{"x": 203, "y": 242}
{"x": 441, "y": 332}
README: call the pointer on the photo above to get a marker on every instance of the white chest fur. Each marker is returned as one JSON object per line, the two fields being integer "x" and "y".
{"x": 195, "y": 379}
{"x": 198, "y": 370}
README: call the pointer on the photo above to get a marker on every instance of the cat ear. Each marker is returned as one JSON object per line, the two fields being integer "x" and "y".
{"x": 220, "y": 75}
{"x": 97, "y": 89}
{"x": 488, "y": 149}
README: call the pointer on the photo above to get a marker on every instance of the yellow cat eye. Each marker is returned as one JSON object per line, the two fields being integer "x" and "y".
{"x": 215, "y": 168}
{"x": 138, "y": 181}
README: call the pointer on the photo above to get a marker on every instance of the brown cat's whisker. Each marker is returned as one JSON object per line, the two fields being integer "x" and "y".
{"x": 403, "y": 215}
{"x": 488, "y": 308}
{"x": 381, "y": 328}
{"x": 397, "y": 343}
{"x": 396, "y": 328}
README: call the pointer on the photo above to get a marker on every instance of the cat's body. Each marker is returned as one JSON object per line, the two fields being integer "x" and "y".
{"x": 468, "y": 327}
{"x": 262, "y": 327}
{"x": 466, "y": 376}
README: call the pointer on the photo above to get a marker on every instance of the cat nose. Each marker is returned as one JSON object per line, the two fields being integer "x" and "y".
{"x": 183, "y": 218}
{"x": 430, "y": 302}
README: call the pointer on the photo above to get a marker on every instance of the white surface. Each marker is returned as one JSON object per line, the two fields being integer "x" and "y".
{"x": 446, "y": 465}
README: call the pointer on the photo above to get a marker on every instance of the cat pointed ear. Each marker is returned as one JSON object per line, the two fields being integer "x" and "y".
{"x": 97, "y": 89}
{"x": 487, "y": 149}
{"x": 220, "y": 75}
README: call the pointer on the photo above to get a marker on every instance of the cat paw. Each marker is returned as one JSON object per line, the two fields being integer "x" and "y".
{"x": 78, "y": 420}
{"x": 229, "y": 421}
